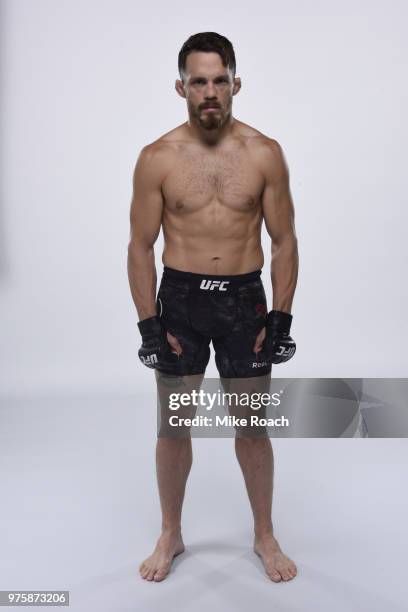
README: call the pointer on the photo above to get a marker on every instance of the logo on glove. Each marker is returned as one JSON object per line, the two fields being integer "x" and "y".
{"x": 286, "y": 352}
{"x": 149, "y": 361}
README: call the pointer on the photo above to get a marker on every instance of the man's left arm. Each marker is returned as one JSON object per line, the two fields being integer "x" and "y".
{"x": 279, "y": 215}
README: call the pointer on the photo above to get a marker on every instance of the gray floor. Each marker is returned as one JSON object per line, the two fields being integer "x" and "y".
{"x": 80, "y": 512}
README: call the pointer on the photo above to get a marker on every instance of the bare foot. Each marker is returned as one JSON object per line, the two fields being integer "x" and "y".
{"x": 157, "y": 566}
{"x": 277, "y": 565}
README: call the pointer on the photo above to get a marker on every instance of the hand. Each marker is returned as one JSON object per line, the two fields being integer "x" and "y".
{"x": 174, "y": 344}
{"x": 154, "y": 343}
{"x": 279, "y": 345}
{"x": 259, "y": 341}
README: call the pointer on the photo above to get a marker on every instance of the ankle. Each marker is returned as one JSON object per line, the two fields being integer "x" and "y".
{"x": 262, "y": 531}
{"x": 171, "y": 529}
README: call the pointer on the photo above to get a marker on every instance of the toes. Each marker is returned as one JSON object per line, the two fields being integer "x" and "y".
{"x": 282, "y": 572}
{"x": 293, "y": 570}
{"x": 275, "y": 576}
{"x": 152, "y": 572}
{"x": 143, "y": 570}
{"x": 288, "y": 572}
{"x": 160, "y": 575}
{"x": 283, "y": 569}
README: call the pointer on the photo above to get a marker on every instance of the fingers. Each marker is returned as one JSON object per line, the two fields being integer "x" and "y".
{"x": 259, "y": 341}
{"x": 174, "y": 344}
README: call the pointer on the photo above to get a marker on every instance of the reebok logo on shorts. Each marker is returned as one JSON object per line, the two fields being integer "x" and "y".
{"x": 211, "y": 285}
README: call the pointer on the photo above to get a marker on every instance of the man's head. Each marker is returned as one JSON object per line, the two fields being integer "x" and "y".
{"x": 207, "y": 67}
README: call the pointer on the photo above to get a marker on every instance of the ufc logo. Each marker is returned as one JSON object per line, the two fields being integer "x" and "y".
{"x": 211, "y": 285}
{"x": 285, "y": 352}
{"x": 150, "y": 360}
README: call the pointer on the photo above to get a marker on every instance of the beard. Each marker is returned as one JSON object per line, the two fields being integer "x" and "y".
{"x": 210, "y": 121}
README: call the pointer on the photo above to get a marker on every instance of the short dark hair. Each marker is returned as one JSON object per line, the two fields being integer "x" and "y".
{"x": 208, "y": 42}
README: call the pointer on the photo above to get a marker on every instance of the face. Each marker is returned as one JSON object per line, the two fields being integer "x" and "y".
{"x": 208, "y": 88}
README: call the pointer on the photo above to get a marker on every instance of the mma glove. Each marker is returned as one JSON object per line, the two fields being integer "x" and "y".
{"x": 154, "y": 341}
{"x": 279, "y": 345}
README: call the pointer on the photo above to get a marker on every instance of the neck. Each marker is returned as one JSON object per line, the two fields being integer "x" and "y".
{"x": 210, "y": 137}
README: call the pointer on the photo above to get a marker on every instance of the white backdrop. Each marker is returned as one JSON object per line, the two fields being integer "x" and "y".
{"x": 86, "y": 84}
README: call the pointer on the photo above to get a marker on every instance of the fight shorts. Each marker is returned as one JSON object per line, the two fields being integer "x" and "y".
{"x": 230, "y": 311}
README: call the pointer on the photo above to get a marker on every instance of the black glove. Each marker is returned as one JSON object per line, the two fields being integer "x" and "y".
{"x": 154, "y": 341}
{"x": 278, "y": 345}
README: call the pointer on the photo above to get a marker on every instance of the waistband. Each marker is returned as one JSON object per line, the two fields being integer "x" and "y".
{"x": 211, "y": 282}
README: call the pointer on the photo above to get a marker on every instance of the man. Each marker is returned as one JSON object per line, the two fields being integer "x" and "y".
{"x": 209, "y": 183}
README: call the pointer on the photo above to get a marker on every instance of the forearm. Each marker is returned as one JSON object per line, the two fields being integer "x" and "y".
{"x": 284, "y": 273}
{"x": 142, "y": 279}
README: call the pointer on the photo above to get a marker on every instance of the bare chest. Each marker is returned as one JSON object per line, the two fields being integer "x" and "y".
{"x": 229, "y": 178}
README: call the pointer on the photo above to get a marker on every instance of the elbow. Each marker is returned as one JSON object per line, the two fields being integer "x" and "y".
{"x": 286, "y": 243}
{"x": 137, "y": 249}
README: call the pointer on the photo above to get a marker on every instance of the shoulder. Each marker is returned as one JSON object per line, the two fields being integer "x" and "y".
{"x": 156, "y": 151}
{"x": 162, "y": 152}
{"x": 154, "y": 160}
{"x": 269, "y": 157}
{"x": 267, "y": 152}
{"x": 252, "y": 135}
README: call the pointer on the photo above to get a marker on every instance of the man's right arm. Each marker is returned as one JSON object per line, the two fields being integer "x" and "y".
{"x": 145, "y": 221}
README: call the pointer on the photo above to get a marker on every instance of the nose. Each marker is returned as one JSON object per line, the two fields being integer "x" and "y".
{"x": 210, "y": 91}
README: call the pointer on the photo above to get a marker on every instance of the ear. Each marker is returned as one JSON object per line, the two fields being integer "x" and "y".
{"x": 179, "y": 87}
{"x": 237, "y": 86}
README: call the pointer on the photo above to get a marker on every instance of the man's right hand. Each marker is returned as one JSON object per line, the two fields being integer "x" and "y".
{"x": 156, "y": 342}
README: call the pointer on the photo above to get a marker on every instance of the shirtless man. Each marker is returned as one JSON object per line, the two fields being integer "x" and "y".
{"x": 209, "y": 183}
